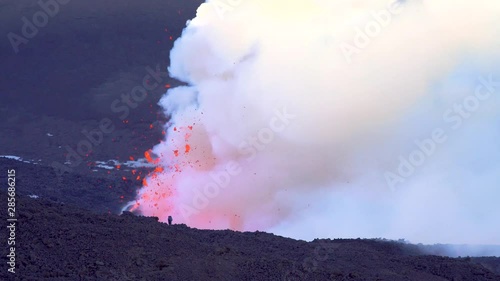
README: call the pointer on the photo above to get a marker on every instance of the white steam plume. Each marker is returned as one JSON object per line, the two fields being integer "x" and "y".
{"x": 335, "y": 119}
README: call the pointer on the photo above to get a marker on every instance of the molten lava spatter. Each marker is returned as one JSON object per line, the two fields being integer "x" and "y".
{"x": 158, "y": 185}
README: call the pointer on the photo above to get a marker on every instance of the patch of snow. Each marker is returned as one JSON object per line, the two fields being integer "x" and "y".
{"x": 111, "y": 164}
{"x": 20, "y": 159}
{"x": 139, "y": 163}
{"x": 12, "y": 157}
{"x": 104, "y": 165}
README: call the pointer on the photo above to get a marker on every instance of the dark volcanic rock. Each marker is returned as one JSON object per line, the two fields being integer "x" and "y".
{"x": 65, "y": 79}
{"x": 98, "y": 194}
{"x": 62, "y": 242}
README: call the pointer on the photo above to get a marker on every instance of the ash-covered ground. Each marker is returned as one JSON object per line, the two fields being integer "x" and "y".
{"x": 67, "y": 80}
{"x": 63, "y": 242}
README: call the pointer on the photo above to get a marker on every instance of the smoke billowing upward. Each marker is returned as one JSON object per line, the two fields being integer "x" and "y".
{"x": 334, "y": 119}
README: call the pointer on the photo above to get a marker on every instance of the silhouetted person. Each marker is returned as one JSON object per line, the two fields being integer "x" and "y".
{"x": 170, "y": 220}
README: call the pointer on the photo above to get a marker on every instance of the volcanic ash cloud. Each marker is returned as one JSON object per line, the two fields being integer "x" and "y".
{"x": 298, "y": 115}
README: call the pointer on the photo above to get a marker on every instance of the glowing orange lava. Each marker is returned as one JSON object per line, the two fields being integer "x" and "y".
{"x": 159, "y": 184}
{"x": 147, "y": 154}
